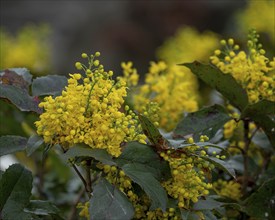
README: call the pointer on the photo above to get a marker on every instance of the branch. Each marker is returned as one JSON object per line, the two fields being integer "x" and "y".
{"x": 247, "y": 141}
{"x": 73, "y": 210}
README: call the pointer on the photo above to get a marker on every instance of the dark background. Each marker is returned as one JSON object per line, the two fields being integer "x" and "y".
{"x": 120, "y": 30}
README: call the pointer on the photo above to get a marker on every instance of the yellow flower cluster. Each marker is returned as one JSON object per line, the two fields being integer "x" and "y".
{"x": 171, "y": 89}
{"x": 259, "y": 15}
{"x": 30, "y": 49}
{"x": 188, "y": 176}
{"x": 88, "y": 111}
{"x": 188, "y": 45}
{"x": 84, "y": 212}
{"x": 252, "y": 70}
{"x": 230, "y": 189}
{"x": 130, "y": 74}
{"x": 174, "y": 88}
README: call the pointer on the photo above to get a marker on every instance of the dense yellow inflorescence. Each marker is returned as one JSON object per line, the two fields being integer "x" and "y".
{"x": 88, "y": 111}
{"x": 29, "y": 48}
{"x": 188, "y": 182}
{"x": 169, "y": 91}
{"x": 230, "y": 189}
{"x": 173, "y": 89}
{"x": 250, "y": 17}
{"x": 252, "y": 69}
{"x": 188, "y": 45}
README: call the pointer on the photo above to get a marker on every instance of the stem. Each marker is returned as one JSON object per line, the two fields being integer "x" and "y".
{"x": 73, "y": 210}
{"x": 245, "y": 156}
{"x": 77, "y": 172}
{"x": 80, "y": 176}
{"x": 88, "y": 177}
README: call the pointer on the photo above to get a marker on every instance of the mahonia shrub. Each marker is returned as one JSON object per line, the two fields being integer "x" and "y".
{"x": 154, "y": 155}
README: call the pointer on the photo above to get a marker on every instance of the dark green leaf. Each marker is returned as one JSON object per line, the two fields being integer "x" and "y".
{"x": 259, "y": 113}
{"x": 208, "y": 215}
{"x": 189, "y": 215}
{"x": 82, "y": 151}
{"x": 261, "y": 140}
{"x": 268, "y": 126}
{"x": 15, "y": 188}
{"x": 33, "y": 144}
{"x": 265, "y": 107}
{"x": 39, "y": 207}
{"x": 260, "y": 204}
{"x": 20, "y": 98}
{"x": 10, "y": 144}
{"x": 237, "y": 163}
{"x": 144, "y": 155}
{"x": 108, "y": 203}
{"x": 206, "y": 121}
{"x": 149, "y": 184}
{"x": 153, "y": 133}
{"x": 208, "y": 204}
{"x": 49, "y": 85}
{"x": 224, "y": 83}
{"x": 225, "y": 166}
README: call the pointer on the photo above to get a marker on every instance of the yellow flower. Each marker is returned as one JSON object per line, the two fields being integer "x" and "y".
{"x": 230, "y": 189}
{"x": 169, "y": 91}
{"x": 88, "y": 111}
{"x": 259, "y": 15}
{"x": 252, "y": 70}
{"x": 29, "y": 48}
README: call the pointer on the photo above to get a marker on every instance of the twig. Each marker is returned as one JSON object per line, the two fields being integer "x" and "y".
{"x": 77, "y": 172}
{"x": 245, "y": 156}
{"x": 88, "y": 177}
{"x": 73, "y": 210}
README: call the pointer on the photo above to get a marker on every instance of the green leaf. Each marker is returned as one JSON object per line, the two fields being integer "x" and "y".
{"x": 224, "y": 83}
{"x": 49, "y": 85}
{"x": 265, "y": 107}
{"x": 144, "y": 155}
{"x": 82, "y": 151}
{"x": 208, "y": 215}
{"x": 206, "y": 121}
{"x": 261, "y": 140}
{"x": 149, "y": 184}
{"x": 189, "y": 215}
{"x": 20, "y": 98}
{"x": 39, "y": 207}
{"x": 153, "y": 133}
{"x": 108, "y": 203}
{"x": 259, "y": 113}
{"x": 207, "y": 204}
{"x": 10, "y": 144}
{"x": 267, "y": 124}
{"x": 225, "y": 166}
{"x": 260, "y": 204}
{"x": 33, "y": 144}
{"x": 15, "y": 188}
